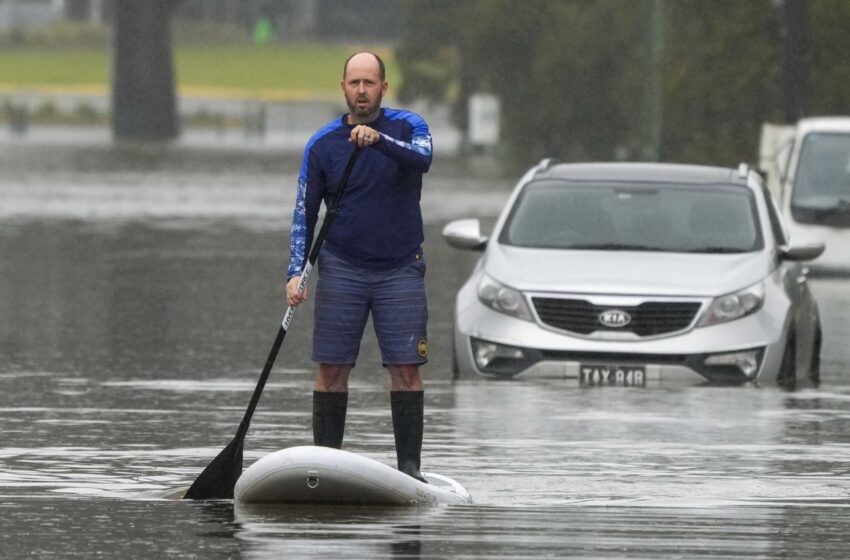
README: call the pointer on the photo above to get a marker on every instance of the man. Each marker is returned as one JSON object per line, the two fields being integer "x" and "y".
{"x": 372, "y": 259}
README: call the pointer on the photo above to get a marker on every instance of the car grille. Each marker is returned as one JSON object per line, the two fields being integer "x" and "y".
{"x": 650, "y": 318}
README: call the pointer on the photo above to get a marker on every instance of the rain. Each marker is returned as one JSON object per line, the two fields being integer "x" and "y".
{"x": 149, "y": 161}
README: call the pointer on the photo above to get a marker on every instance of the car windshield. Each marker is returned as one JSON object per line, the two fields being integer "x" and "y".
{"x": 633, "y": 216}
{"x": 822, "y": 180}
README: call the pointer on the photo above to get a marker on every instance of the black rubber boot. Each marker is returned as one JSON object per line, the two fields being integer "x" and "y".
{"x": 408, "y": 408}
{"x": 329, "y": 418}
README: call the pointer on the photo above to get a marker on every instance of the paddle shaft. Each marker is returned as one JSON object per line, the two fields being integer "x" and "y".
{"x": 302, "y": 284}
{"x": 219, "y": 477}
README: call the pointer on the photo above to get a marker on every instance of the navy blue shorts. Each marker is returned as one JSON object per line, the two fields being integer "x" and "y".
{"x": 346, "y": 294}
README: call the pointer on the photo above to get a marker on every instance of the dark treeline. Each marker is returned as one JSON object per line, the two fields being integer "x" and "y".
{"x": 574, "y": 76}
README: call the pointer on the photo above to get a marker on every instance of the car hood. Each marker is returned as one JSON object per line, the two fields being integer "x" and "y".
{"x": 625, "y": 272}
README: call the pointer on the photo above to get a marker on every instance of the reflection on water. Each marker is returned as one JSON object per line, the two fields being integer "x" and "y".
{"x": 128, "y": 351}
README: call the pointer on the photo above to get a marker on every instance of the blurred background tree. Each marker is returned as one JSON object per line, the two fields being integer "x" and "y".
{"x": 572, "y": 75}
{"x": 829, "y": 62}
{"x": 721, "y": 79}
{"x": 675, "y": 80}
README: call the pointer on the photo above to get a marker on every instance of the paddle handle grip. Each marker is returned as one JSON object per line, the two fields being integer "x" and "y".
{"x": 302, "y": 285}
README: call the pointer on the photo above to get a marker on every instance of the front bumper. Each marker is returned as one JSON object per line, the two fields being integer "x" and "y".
{"x": 613, "y": 368}
{"x": 680, "y": 357}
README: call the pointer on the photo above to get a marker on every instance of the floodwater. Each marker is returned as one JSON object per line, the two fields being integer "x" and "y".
{"x": 137, "y": 307}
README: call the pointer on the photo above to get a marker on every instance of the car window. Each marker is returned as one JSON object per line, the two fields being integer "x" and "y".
{"x": 822, "y": 179}
{"x": 643, "y": 217}
{"x": 821, "y": 191}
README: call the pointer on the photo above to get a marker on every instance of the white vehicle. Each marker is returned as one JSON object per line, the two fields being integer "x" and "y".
{"x": 807, "y": 167}
{"x": 626, "y": 274}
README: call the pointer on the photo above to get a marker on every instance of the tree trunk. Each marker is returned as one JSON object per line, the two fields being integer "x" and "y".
{"x": 77, "y": 10}
{"x": 144, "y": 105}
{"x": 796, "y": 58}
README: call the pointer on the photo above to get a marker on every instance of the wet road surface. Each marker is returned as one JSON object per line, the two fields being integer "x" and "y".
{"x": 137, "y": 309}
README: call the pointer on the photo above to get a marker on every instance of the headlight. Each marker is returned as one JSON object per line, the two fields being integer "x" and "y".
{"x": 502, "y": 299}
{"x": 734, "y": 306}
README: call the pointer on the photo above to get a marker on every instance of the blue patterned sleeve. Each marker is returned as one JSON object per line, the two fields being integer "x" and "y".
{"x": 413, "y": 153}
{"x": 298, "y": 233}
{"x": 307, "y": 202}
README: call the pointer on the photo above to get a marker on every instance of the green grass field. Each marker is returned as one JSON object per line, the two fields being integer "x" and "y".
{"x": 278, "y": 72}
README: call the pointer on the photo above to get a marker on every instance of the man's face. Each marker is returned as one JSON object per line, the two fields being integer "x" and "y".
{"x": 363, "y": 87}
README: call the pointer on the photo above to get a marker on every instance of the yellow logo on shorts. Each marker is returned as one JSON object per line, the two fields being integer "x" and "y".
{"x": 423, "y": 348}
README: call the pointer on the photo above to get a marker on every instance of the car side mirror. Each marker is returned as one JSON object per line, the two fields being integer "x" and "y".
{"x": 801, "y": 252}
{"x": 465, "y": 234}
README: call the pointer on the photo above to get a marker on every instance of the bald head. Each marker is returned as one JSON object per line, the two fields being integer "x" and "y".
{"x": 365, "y": 61}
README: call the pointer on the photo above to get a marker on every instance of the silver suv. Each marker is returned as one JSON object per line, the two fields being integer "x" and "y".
{"x": 634, "y": 274}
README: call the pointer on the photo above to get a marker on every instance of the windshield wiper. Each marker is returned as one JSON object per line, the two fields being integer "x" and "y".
{"x": 615, "y": 247}
{"x": 718, "y": 249}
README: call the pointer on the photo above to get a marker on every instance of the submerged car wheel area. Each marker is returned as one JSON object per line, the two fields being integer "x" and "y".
{"x": 629, "y": 274}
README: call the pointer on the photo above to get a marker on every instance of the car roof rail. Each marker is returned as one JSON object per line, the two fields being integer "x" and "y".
{"x": 545, "y": 164}
{"x": 743, "y": 171}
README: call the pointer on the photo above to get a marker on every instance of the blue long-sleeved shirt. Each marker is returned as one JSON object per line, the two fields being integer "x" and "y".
{"x": 379, "y": 224}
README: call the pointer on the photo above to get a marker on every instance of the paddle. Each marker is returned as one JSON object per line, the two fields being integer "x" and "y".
{"x": 218, "y": 479}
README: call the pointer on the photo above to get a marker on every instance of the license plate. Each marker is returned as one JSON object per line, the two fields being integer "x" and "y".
{"x": 602, "y": 374}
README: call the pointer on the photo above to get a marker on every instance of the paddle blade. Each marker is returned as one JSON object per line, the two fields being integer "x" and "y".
{"x": 216, "y": 482}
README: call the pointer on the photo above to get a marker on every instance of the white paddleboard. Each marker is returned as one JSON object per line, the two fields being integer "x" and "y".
{"x": 311, "y": 474}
